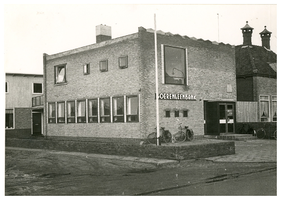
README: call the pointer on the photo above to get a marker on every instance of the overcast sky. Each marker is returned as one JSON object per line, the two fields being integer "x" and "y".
{"x": 31, "y": 30}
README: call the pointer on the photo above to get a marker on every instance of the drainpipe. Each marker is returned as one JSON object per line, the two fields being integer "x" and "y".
{"x": 45, "y": 93}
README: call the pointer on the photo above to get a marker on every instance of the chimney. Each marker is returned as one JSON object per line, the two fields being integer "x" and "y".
{"x": 247, "y": 34}
{"x": 265, "y": 38}
{"x": 103, "y": 33}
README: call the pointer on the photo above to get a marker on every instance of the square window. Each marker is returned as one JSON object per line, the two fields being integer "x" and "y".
{"x": 123, "y": 62}
{"x": 60, "y": 74}
{"x": 37, "y": 88}
{"x": 71, "y": 112}
{"x": 81, "y": 111}
{"x": 132, "y": 109}
{"x": 103, "y": 66}
{"x": 105, "y": 110}
{"x": 86, "y": 69}
{"x": 118, "y": 109}
{"x": 177, "y": 113}
{"x": 51, "y": 113}
{"x": 60, "y": 109}
{"x": 167, "y": 113}
{"x": 93, "y": 110}
{"x": 174, "y": 65}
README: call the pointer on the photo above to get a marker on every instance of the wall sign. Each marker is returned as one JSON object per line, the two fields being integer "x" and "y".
{"x": 171, "y": 96}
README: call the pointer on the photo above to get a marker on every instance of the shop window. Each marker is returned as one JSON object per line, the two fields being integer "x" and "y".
{"x": 71, "y": 112}
{"x": 174, "y": 65}
{"x": 118, "y": 109}
{"x": 93, "y": 110}
{"x": 103, "y": 66}
{"x": 264, "y": 108}
{"x": 81, "y": 111}
{"x": 6, "y": 87}
{"x": 177, "y": 113}
{"x": 60, "y": 74}
{"x": 185, "y": 113}
{"x": 86, "y": 69}
{"x": 105, "y": 110}
{"x": 167, "y": 113}
{"x": 123, "y": 62}
{"x": 274, "y": 108}
{"x": 132, "y": 109}
{"x": 9, "y": 120}
{"x": 61, "y": 115}
{"x": 51, "y": 113}
{"x": 37, "y": 88}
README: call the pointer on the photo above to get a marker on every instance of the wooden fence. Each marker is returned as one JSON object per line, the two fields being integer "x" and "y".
{"x": 246, "y": 111}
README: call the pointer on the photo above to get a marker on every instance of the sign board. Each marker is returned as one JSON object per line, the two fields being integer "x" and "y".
{"x": 171, "y": 96}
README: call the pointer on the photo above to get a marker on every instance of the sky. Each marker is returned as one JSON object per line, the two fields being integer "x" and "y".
{"x": 33, "y": 29}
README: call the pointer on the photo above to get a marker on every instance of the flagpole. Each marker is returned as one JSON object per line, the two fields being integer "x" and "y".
{"x": 156, "y": 84}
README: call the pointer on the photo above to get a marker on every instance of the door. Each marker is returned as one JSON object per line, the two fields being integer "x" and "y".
{"x": 211, "y": 118}
{"x": 36, "y": 120}
{"x": 226, "y": 112}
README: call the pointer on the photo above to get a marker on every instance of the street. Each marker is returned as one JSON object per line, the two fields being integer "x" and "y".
{"x": 42, "y": 172}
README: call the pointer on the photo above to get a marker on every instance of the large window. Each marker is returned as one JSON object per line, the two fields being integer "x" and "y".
{"x": 60, "y": 74}
{"x": 105, "y": 110}
{"x": 37, "y": 88}
{"x": 118, "y": 109}
{"x": 71, "y": 112}
{"x": 61, "y": 115}
{"x": 9, "y": 118}
{"x": 264, "y": 108}
{"x": 174, "y": 65}
{"x": 81, "y": 111}
{"x": 51, "y": 113}
{"x": 274, "y": 108}
{"x": 132, "y": 109}
{"x": 93, "y": 110}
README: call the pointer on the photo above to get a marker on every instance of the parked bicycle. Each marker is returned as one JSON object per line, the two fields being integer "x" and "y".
{"x": 261, "y": 133}
{"x": 183, "y": 134}
{"x": 165, "y": 136}
{"x": 246, "y": 129}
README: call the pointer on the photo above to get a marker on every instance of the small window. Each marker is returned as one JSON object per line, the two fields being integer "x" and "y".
{"x": 118, "y": 109}
{"x": 167, "y": 113}
{"x": 61, "y": 115}
{"x": 51, "y": 113}
{"x": 93, "y": 110}
{"x": 37, "y": 88}
{"x": 60, "y": 74}
{"x": 71, "y": 112}
{"x": 185, "y": 113}
{"x": 177, "y": 113}
{"x": 6, "y": 87}
{"x": 123, "y": 62}
{"x": 105, "y": 110}
{"x": 81, "y": 111}
{"x": 132, "y": 109}
{"x": 103, "y": 66}
{"x": 86, "y": 69}
{"x": 9, "y": 119}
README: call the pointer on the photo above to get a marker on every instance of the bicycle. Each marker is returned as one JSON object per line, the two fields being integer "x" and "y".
{"x": 246, "y": 129}
{"x": 165, "y": 136}
{"x": 183, "y": 134}
{"x": 261, "y": 133}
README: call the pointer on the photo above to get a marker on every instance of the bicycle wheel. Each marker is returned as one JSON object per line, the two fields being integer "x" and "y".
{"x": 189, "y": 134}
{"x": 151, "y": 138}
{"x": 180, "y": 136}
{"x": 261, "y": 133}
{"x": 275, "y": 135}
{"x": 167, "y": 137}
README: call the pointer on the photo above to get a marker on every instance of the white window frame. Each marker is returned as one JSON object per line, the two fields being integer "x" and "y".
{"x": 78, "y": 110}
{"x": 58, "y": 117}
{"x": 272, "y": 107}
{"x": 269, "y": 106}
{"x": 55, "y": 111}
{"x": 33, "y": 88}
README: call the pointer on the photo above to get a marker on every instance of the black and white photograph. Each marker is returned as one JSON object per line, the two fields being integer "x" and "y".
{"x": 147, "y": 98}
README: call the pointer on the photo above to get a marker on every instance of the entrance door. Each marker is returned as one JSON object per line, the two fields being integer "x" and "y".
{"x": 36, "y": 118}
{"x": 211, "y": 118}
{"x": 226, "y": 117}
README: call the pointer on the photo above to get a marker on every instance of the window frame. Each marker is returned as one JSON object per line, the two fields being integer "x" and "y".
{"x": 185, "y": 113}
{"x": 100, "y": 65}
{"x": 81, "y": 119}
{"x": 61, "y": 120}
{"x": 118, "y": 117}
{"x": 52, "y": 120}
{"x": 104, "y": 118}
{"x": 93, "y": 118}
{"x": 13, "y": 119}
{"x": 86, "y": 68}
{"x": 264, "y": 119}
{"x": 33, "y": 85}
{"x": 272, "y": 111}
{"x": 177, "y": 113}
{"x": 126, "y": 62}
{"x": 70, "y": 118}
{"x": 167, "y": 113}
{"x": 130, "y": 117}
{"x": 56, "y": 74}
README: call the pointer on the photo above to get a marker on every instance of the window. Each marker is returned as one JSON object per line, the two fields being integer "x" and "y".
{"x": 118, "y": 109}
{"x": 105, "y": 110}
{"x": 37, "y": 88}
{"x": 274, "y": 108}
{"x": 185, "y": 113}
{"x": 123, "y": 62}
{"x": 86, "y": 69}
{"x": 132, "y": 109}
{"x": 51, "y": 113}
{"x": 9, "y": 121}
{"x": 167, "y": 113}
{"x": 93, "y": 110}
{"x": 103, "y": 66}
{"x": 6, "y": 87}
{"x": 81, "y": 111}
{"x": 71, "y": 112}
{"x": 60, "y": 109}
{"x": 264, "y": 108}
{"x": 174, "y": 65}
{"x": 177, "y": 113}
{"x": 60, "y": 74}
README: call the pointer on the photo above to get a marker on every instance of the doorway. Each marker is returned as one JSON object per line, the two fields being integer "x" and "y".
{"x": 37, "y": 124}
{"x": 226, "y": 111}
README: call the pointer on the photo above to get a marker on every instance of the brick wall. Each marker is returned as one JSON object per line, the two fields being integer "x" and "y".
{"x": 22, "y": 118}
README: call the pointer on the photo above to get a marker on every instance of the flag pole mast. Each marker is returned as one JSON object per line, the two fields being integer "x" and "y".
{"x": 156, "y": 84}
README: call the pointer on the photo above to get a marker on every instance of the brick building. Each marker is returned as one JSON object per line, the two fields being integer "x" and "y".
{"x": 22, "y": 93}
{"x": 256, "y": 79}
{"x": 107, "y": 89}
